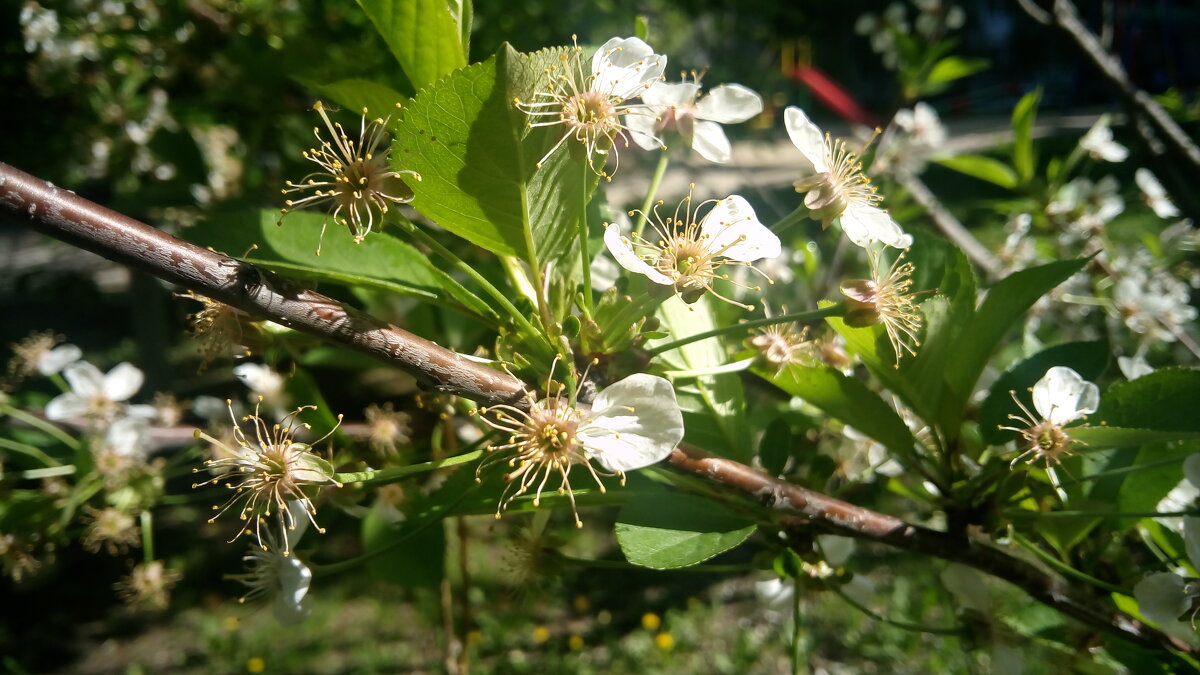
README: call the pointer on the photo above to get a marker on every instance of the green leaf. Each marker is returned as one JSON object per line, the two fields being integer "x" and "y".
{"x": 849, "y": 401}
{"x": 775, "y": 446}
{"x": 723, "y": 395}
{"x": 1142, "y": 490}
{"x": 355, "y": 94}
{"x": 984, "y": 168}
{"x": 1101, "y": 438}
{"x": 1022, "y": 123}
{"x": 1165, "y": 400}
{"x": 1089, "y": 359}
{"x": 478, "y": 158}
{"x": 668, "y": 530}
{"x": 424, "y": 35}
{"x": 949, "y": 69}
{"x": 381, "y": 261}
{"x": 419, "y": 563}
{"x": 1006, "y": 302}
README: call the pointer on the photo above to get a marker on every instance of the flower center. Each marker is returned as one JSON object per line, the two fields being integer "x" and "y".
{"x": 553, "y": 437}
{"x": 687, "y": 261}
{"x": 1047, "y": 441}
{"x": 589, "y": 114}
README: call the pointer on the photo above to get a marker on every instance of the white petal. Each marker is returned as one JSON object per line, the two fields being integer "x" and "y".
{"x": 65, "y": 406}
{"x": 622, "y": 67}
{"x": 1191, "y": 469}
{"x": 1148, "y": 183}
{"x": 667, "y": 94}
{"x": 294, "y": 579}
{"x": 708, "y": 139}
{"x": 122, "y": 382}
{"x": 732, "y": 219}
{"x": 128, "y": 436}
{"x": 635, "y": 423}
{"x": 84, "y": 378}
{"x": 623, "y": 252}
{"x": 642, "y": 130}
{"x": 866, "y": 224}
{"x": 259, "y": 378}
{"x": 58, "y": 358}
{"x": 808, "y": 139}
{"x": 729, "y": 104}
{"x": 1133, "y": 367}
{"x": 835, "y": 548}
{"x": 1191, "y": 539}
{"x": 1160, "y": 597}
{"x": 1062, "y": 396}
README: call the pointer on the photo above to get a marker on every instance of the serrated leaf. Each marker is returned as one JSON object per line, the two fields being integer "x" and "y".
{"x": 1100, "y": 438}
{"x": 668, "y": 530}
{"x": 1006, "y": 302}
{"x": 1164, "y": 399}
{"x": 984, "y": 168}
{"x": 849, "y": 401}
{"x": 478, "y": 158}
{"x": 355, "y": 94}
{"x": 1023, "y": 116}
{"x": 1142, "y": 490}
{"x": 1089, "y": 359}
{"x": 425, "y": 36}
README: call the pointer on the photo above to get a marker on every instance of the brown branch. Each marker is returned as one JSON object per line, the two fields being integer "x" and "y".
{"x": 66, "y": 216}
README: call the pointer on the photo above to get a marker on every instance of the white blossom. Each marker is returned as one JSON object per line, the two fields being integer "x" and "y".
{"x": 276, "y": 576}
{"x": 1060, "y": 397}
{"x": 1099, "y": 143}
{"x": 836, "y": 187}
{"x": 98, "y": 395}
{"x": 1163, "y": 597}
{"x": 675, "y": 107}
{"x": 1154, "y": 194}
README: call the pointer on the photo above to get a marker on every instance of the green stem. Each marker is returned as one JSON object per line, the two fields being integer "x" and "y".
{"x": 29, "y": 451}
{"x": 916, "y": 627}
{"x": 39, "y": 423}
{"x": 48, "y": 472}
{"x": 746, "y": 326}
{"x": 800, "y": 213}
{"x": 147, "y": 536}
{"x": 584, "y": 254}
{"x": 659, "y": 171}
{"x": 386, "y": 476}
{"x": 59, "y": 382}
{"x": 519, "y": 319}
{"x": 1063, "y": 567}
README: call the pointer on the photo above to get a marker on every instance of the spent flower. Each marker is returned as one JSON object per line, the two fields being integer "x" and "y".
{"x": 1060, "y": 397}
{"x": 112, "y": 529}
{"x": 355, "y": 180}
{"x": 691, "y": 251}
{"x": 589, "y": 104}
{"x": 631, "y": 424}
{"x": 836, "y": 187}
{"x": 678, "y": 106}
{"x": 268, "y": 473}
{"x": 41, "y": 353}
{"x": 885, "y": 299}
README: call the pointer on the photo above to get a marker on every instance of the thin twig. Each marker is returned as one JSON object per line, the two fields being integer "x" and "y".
{"x": 64, "y": 215}
{"x": 949, "y": 225}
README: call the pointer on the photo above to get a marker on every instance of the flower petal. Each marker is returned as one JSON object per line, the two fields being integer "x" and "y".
{"x": 65, "y": 406}
{"x": 667, "y": 94}
{"x": 623, "y": 67}
{"x": 128, "y": 436}
{"x": 122, "y": 382}
{"x": 866, "y": 224}
{"x": 58, "y": 358}
{"x": 1191, "y": 469}
{"x": 729, "y": 104}
{"x": 84, "y": 378}
{"x": 1062, "y": 396}
{"x": 1161, "y": 597}
{"x": 732, "y": 219}
{"x": 708, "y": 139}
{"x": 288, "y": 605}
{"x": 635, "y": 423}
{"x": 622, "y": 251}
{"x": 808, "y": 139}
{"x": 642, "y": 130}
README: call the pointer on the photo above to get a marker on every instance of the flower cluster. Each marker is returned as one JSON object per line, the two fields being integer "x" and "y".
{"x": 1060, "y": 397}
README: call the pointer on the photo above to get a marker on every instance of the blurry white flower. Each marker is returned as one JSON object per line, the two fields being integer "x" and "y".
{"x": 39, "y": 353}
{"x": 675, "y": 108}
{"x": 1152, "y": 302}
{"x": 923, "y": 123}
{"x": 1154, "y": 195}
{"x": 275, "y": 576}
{"x": 1181, "y": 497}
{"x": 1163, "y": 597}
{"x": 1086, "y": 207}
{"x": 98, "y": 396}
{"x": 128, "y": 436}
{"x": 835, "y": 549}
{"x": 1060, "y": 397}
{"x": 261, "y": 380}
{"x": 1133, "y": 367}
{"x": 690, "y": 254}
{"x": 836, "y": 186}
{"x": 589, "y": 104}
{"x": 632, "y": 424}
{"x": 1099, "y": 143}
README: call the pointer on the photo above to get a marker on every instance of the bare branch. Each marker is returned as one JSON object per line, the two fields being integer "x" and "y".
{"x": 66, "y": 216}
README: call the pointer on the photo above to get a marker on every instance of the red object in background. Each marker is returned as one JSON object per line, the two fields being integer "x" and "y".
{"x": 833, "y": 96}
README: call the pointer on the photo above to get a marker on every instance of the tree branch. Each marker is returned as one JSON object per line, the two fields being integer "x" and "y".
{"x": 64, "y": 215}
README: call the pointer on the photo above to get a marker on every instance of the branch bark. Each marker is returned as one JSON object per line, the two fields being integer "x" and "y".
{"x": 64, "y": 215}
